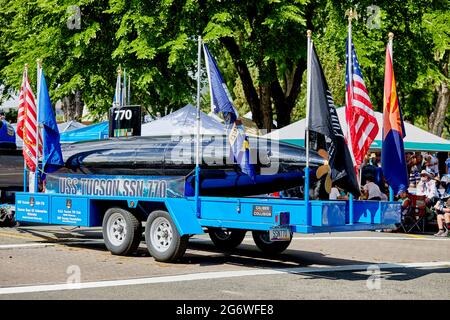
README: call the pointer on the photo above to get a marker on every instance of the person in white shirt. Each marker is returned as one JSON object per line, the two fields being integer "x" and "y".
{"x": 427, "y": 187}
{"x": 335, "y": 194}
{"x": 371, "y": 189}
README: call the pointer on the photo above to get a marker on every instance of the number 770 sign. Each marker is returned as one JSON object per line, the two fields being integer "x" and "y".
{"x": 125, "y": 121}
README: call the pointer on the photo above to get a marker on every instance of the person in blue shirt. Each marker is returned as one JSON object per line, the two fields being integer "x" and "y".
{"x": 7, "y": 134}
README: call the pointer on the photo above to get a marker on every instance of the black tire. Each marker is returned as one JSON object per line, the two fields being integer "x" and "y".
{"x": 226, "y": 239}
{"x": 164, "y": 242}
{"x": 264, "y": 244}
{"x": 116, "y": 243}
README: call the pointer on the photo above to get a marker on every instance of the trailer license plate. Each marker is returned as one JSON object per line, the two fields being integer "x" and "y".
{"x": 280, "y": 234}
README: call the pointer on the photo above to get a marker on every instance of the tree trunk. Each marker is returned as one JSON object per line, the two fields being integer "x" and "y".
{"x": 266, "y": 107}
{"x": 247, "y": 82}
{"x": 72, "y": 106}
{"x": 285, "y": 100}
{"x": 437, "y": 118}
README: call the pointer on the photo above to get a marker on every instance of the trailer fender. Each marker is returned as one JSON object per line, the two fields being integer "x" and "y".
{"x": 183, "y": 215}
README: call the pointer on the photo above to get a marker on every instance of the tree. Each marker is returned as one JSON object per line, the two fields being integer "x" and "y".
{"x": 260, "y": 47}
{"x": 257, "y": 36}
{"x": 77, "y": 61}
{"x": 436, "y": 23}
{"x": 414, "y": 50}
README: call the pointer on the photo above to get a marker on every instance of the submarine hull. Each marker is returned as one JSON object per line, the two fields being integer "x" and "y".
{"x": 278, "y": 166}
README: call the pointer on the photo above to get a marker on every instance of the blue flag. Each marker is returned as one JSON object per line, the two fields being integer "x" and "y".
{"x": 52, "y": 156}
{"x": 221, "y": 102}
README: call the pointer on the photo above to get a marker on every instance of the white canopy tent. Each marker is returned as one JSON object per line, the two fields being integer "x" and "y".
{"x": 181, "y": 122}
{"x": 416, "y": 139}
{"x": 69, "y": 126}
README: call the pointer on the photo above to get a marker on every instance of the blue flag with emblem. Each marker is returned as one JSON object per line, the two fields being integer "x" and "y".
{"x": 221, "y": 102}
{"x": 52, "y": 158}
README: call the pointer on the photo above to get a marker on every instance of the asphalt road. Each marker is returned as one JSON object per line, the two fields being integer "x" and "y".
{"x": 63, "y": 263}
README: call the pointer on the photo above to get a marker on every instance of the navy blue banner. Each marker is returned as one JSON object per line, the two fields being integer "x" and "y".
{"x": 117, "y": 186}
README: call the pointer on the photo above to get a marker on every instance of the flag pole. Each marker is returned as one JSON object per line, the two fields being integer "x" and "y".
{"x": 124, "y": 90}
{"x": 390, "y": 48}
{"x": 197, "y": 152}
{"x": 119, "y": 89}
{"x": 352, "y": 14}
{"x": 308, "y": 102}
{"x": 25, "y": 171}
{"x": 38, "y": 84}
{"x": 129, "y": 91}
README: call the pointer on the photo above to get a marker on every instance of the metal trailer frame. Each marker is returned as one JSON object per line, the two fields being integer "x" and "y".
{"x": 257, "y": 214}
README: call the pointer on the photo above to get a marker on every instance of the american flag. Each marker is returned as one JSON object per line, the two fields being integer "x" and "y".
{"x": 362, "y": 126}
{"x": 27, "y": 123}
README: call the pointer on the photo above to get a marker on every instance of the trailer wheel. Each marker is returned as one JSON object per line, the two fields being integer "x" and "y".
{"x": 164, "y": 242}
{"x": 264, "y": 243}
{"x": 226, "y": 239}
{"x": 122, "y": 231}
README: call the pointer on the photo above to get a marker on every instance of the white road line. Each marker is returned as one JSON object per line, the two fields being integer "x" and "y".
{"x": 369, "y": 238}
{"x": 25, "y": 245}
{"x": 343, "y": 238}
{"x": 213, "y": 275}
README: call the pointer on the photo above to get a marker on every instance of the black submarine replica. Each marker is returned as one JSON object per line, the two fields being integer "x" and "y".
{"x": 278, "y": 166}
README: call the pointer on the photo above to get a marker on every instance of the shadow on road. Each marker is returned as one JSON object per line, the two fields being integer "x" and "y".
{"x": 202, "y": 252}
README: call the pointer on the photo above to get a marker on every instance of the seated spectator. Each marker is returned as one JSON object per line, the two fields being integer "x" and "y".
{"x": 427, "y": 187}
{"x": 414, "y": 172}
{"x": 420, "y": 162}
{"x": 445, "y": 184}
{"x": 434, "y": 164}
{"x": 431, "y": 167}
{"x": 371, "y": 189}
{"x": 403, "y": 198}
{"x": 442, "y": 208}
{"x": 337, "y": 194}
{"x": 368, "y": 168}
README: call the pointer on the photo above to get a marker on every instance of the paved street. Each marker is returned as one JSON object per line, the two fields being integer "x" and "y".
{"x": 63, "y": 263}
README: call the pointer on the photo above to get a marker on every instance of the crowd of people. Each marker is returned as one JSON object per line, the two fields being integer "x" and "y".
{"x": 427, "y": 177}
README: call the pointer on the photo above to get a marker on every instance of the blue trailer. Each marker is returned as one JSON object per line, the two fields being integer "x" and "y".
{"x": 169, "y": 220}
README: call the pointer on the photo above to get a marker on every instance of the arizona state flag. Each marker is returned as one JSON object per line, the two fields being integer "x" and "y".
{"x": 393, "y": 153}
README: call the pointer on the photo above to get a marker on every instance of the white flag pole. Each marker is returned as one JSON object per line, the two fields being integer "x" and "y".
{"x": 129, "y": 91}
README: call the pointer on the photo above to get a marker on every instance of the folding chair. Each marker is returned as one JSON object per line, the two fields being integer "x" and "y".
{"x": 407, "y": 219}
{"x": 418, "y": 214}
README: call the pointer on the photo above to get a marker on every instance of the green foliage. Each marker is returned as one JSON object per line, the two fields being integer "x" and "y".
{"x": 156, "y": 41}
{"x": 11, "y": 115}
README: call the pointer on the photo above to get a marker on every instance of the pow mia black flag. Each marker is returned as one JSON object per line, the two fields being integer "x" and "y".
{"x": 323, "y": 120}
